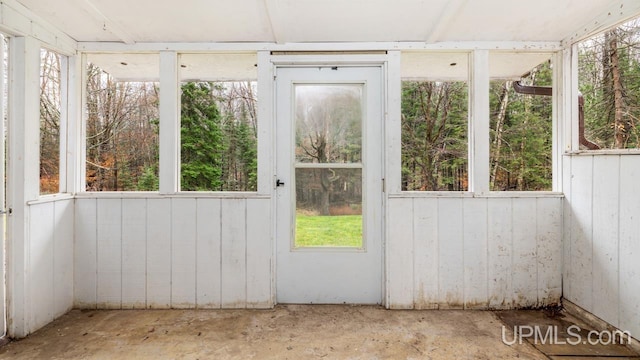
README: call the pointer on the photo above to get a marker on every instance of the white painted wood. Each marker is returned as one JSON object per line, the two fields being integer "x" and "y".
{"x": 581, "y": 202}
{"x": 629, "y": 245}
{"x": 109, "y": 248}
{"x": 563, "y": 104}
{"x": 134, "y": 253}
{"x": 525, "y": 266}
{"x": 74, "y": 135}
{"x": 500, "y": 253}
{"x": 3, "y": 216}
{"x": 259, "y": 248}
{"x": 63, "y": 124}
{"x": 619, "y": 11}
{"x": 85, "y": 254}
{"x": 169, "y": 109}
{"x": 400, "y": 258}
{"x": 451, "y": 253}
{"x": 233, "y": 253}
{"x": 339, "y": 275}
{"x": 183, "y": 253}
{"x": 526, "y": 46}
{"x": 208, "y": 260}
{"x": 557, "y": 125}
{"x": 605, "y": 220}
{"x": 549, "y": 250}
{"x": 475, "y": 226}
{"x": 82, "y": 117}
{"x": 41, "y": 269}
{"x": 479, "y": 123}
{"x": 393, "y": 125}
{"x": 573, "y": 101}
{"x": 567, "y": 219}
{"x": 23, "y": 175}
{"x": 159, "y": 253}
{"x": 266, "y": 123}
{"x": 63, "y": 265}
{"x": 18, "y": 20}
{"x": 425, "y": 251}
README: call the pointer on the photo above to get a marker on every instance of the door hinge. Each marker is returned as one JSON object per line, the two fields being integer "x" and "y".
{"x": 383, "y": 186}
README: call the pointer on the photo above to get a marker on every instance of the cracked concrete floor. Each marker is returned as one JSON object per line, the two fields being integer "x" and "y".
{"x": 285, "y": 332}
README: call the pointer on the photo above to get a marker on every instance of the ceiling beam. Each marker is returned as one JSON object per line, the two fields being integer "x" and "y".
{"x": 462, "y": 46}
{"x": 107, "y": 24}
{"x": 446, "y": 17}
{"x": 619, "y": 12}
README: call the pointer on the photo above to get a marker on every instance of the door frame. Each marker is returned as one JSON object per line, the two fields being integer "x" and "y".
{"x": 389, "y": 62}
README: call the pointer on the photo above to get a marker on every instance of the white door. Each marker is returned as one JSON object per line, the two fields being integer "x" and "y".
{"x": 329, "y": 185}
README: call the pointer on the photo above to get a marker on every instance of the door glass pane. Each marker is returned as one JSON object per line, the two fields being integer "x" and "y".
{"x": 328, "y": 123}
{"x": 328, "y": 207}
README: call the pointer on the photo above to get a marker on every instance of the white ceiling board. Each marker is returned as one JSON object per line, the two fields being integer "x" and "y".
{"x": 325, "y": 21}
{"x": 193, "y": 67}
{"x": 355, "y": 20}
{"x": 444, "y": 66}
{"x": 190, "y": 20}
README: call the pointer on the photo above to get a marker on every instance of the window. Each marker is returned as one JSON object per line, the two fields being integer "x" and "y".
{"x": 521, "y": 126}
{"x": 218, "y": 125}
{"x": 609, "y": 81}
{"x": 434, "y": 122}
{"x": 50, "y": 105}
{"x": 122, "y": 122}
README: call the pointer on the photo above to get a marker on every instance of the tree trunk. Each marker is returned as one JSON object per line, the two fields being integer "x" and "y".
{"x": 618, "y": 100}
{"x": 504, "y": 102}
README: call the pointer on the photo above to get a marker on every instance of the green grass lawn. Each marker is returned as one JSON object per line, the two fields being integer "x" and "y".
{"x": 342, "y": 231}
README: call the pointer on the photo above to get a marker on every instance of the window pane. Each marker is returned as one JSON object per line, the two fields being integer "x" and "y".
{"x": 434, "y": 135}
{"x": 609, "y": 78}
{"x": 328, "y": 123}
{"x": 521, "y": 141}
{"x": 218, "y": 123}
{"x": 328, "y": 207}
{"x": 122, "y": 123}
{"x": 50, "y": 105}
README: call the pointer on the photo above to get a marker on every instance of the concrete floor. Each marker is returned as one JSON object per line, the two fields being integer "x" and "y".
{"x": 297, "y": 332}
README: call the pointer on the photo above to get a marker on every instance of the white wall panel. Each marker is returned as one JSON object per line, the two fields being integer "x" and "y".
{"x": 158, "y": 253}
{"x": 134, "y": 253}
{"x": 463, "y": 252}
{"x": 603, "y": 236}
{"x": 173, "y": 252}
{"x": 85, "y": 254}
{"x": 109, "y": 250}
{"x": 63, "y": 257}
{"x": 500, "y": 253}
{"x": 183, "y": 253}
{"x": 208, "y": 260}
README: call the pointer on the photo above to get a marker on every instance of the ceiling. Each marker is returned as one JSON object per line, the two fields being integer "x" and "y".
{"x": 286, "y": 21}
{"x": 325, "y": 21}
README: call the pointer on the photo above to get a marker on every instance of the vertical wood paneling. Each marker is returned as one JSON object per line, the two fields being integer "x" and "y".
{"x": 109, "y": 247}
{"x": 549, "y": 250}
{"x": 400, "y": 254}
{"x": 425, "y": 253}
{"x": 566, "y": 225}
{"x": 475, "y": 253}
{"x": 208, "y": 253}
{"x": 606, "y": 170}
{"x": 500, "y": 252}
{"x": 85, "y": 254}
{"x": 134, "y": 253}
{"x": 63, "y": 257}
{"x": 41, "y": 270}
{"x": 525, "y": 264}
{"x": 629, "y": 251}
{"x": 183, "y": 253}
{"x": 451, "y": 253}
{"x": 259, "y": 281}
{"x": 233, "y": 237}
{"x": 581, "y": 231}
{"x": 158, "y": 253}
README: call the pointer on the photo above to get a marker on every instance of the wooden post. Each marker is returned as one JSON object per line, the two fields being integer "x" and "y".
{"x": 169, "y": 172}
{"x": 479, "y": 123}
{"x": 23, "y": 175}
